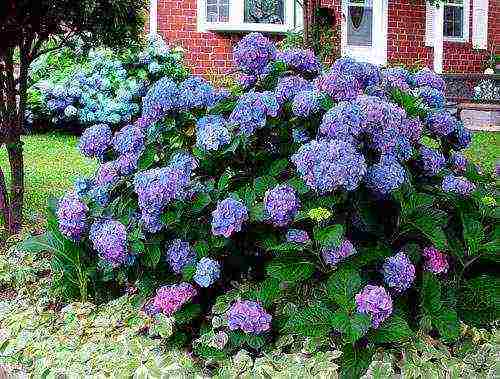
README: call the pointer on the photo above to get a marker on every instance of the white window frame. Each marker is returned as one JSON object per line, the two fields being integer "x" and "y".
{"x": 465, "y": 21}
{"x": 293, "y": 19}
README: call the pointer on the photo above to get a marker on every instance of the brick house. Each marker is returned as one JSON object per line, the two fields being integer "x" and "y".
{"x": 380, "y": 31}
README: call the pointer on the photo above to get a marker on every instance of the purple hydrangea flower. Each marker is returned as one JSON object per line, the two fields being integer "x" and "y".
{"x": 179, "y": 255}
{"x": 150, "y": 309}
{"x": 109, "y": 239}
{"x": 386, "y": 176}
{"x": 170, "y": 298}
{"x": 228, "y": 217}
{"x": 129, "y": 140}
{"x": 289, "y": 86}
{"x": 376, "y": 302}
{"x": 435, "y": 261}
{"x": 338, "y": 86}
{"x": 432, "y": 161}
{"x": 306, "y": 103}
{"x": 426, "y": 77}
{"x": 252, "y": 110}
{"x": 461, "y": 137}
{"x": 156, "y": 188}
{"x": 207, "y": 272}
{"x": 301, "y": 60}
{"x": 72, "y": 216}
{"x": 95, "y": 141}
{"x": 395, "y": 77}
{"x": 281, "y": 204}
{"x": 366, "y": 74}
{"x": 183, "y": 161}
{"x": 247, "y": 81}
{"x": 253, "y": 54}
{"x": 248, "y": 316}
{"x": 431, "y": 97}
{"x": 212, "y": 133}
{"x": 399, "y": 272}
{"x": 162, "y": 98}
{"x": 297, "y": 236}
{"x": 328, "y": 165}
{"x": 458, "y": 185}
{"x": 344, "y": 121}
{"x": 196, "y": 92}
{"x": 107, "y": 174}
{"x": 334, "y": 255}
{"x": 413, "y": 129}
{"x": 441, "y": 123}
{"x": 458, "y": 162}
{"x": 126, "y": 164}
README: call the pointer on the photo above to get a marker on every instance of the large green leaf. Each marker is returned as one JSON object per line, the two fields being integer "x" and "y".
{"x": 394, "y": 329}
{"x": 473, "y": 233}
{"x": 263, "y": 183}
{"x": 447, "y": 324}
{"x": 315, "y": 321}
{"x": 330, "y": 236}
{"x": 352, "y": 326}
{"x": 431, "y": 294}
{"x": 290, "y": 271}
{"x": 430, "y": 223}
{"x": 342, "y": 285}
{"x": 151, "y": 255}
{"x": 355, "y": 362}
{"x": 36, "y": 244}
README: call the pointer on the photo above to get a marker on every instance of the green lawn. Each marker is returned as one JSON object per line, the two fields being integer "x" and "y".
{"x": 52, "y": 163}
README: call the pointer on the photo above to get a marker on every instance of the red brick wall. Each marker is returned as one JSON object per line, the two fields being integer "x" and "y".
{"x": 210, "y": 53}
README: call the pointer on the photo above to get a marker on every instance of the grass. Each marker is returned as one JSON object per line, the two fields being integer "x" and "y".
{"x": 52, "y": 163}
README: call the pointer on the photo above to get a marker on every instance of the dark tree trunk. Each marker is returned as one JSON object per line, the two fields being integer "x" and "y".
{"x": 4, "y": 204}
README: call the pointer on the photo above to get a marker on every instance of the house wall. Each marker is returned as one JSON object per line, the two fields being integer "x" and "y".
{"x": 210, "y": 53}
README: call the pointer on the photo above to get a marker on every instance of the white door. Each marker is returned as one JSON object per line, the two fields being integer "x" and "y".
{"x": 364, "y": 30}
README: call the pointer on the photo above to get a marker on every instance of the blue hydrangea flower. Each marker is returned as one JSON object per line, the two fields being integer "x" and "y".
{"x": 82, "y": 186}
{"x": 300, "y": 135}
{"x": 338, "y": 86}
{"x": 126, "y": 164}
{"x": 297, "y": 236}
{"x": 344, "y": 121}
{"x": 207, "y": 272}
{"x": 306, "y": 103}
{"x": 281, "y": 204}
{"x": 458, "y": 162}
{"x": 129, "y": 140}
{"x": 300, "y": 60}
{"x": 458, "y": 185}
{"x": 161, "y": 99}
{"x": 228, "y": 217}
{"x": 432, "y": 161}
{"x": 429, "y": 78}
{"x": 441, "y": 123}
{"x": 399, "y": 272}
{"x": 212, "y": 133}
{"x": 247, "y": 81}
{"x": 334, "y": 255}
{"x": 252, "y": 110}
{"x": 431, "y": 97}
{"x": 248, "y": 316}
{"x": 179, "y": 255}
{"x": 289, "y": 86}
{"x": 395, "y": 77}
{"x": 461, "y": 138}
{"x": 95, "y": 141}
{"x": 253, "y": 54}
{"x": 72, "y": 216}
{"x": 109, "y": 239}
{"x": 413, "y": 129}
{"x": 386, "y": 176}
{"x": 183, "y": 161}
{"x": 366, "y": 74}
{"x": 328, "y": 165}
{"x": 196, "y": 92}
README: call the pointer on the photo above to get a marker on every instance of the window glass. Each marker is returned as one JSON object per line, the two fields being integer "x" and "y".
{"x": 359, "y": 22}
{"x": 218, "y": 10}
{"x": 265, "y": 11}
{"x": 453, "y": 20}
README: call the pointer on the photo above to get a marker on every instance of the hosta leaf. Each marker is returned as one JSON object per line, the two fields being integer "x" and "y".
{"x": 394, "y": 329}
{"x": 315, "y": 321}
{"x": 290, "y": 271}
{"x": 342, "y": 285}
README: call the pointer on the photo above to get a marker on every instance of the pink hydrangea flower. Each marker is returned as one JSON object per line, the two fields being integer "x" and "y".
{"x": 435, "y": 261}
{"x": 169, "y": 299}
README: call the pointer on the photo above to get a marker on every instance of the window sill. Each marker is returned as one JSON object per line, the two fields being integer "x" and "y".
{"x": 226, "y": 27}
{"x": 455, "y": 40}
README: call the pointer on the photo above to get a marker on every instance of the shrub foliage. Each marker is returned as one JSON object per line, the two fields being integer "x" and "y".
{"x": 308, "y": 201}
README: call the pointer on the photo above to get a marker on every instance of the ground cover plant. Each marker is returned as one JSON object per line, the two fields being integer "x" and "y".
{"x": 320, "y": 203}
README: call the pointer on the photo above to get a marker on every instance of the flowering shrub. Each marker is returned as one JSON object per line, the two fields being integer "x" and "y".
{"x": 238, "y": 231}
{"x": 104, "y": 88}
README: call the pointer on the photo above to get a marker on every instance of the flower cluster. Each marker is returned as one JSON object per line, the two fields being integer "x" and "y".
{"x": 289, "y": 86}
{"x": 281, "y": 204}
{"x": 95, "y": 141}
{"x": 109, "y": 239}
{"x": 253, "y": 54}
{"x": 338, "y": 86}
{"x": 435, "y": 261}
{"x": 179, "y": 255}
{"x": 441, "y": 123}
{"x": 72, "y": 216}
{"x": 228, "y": 217}
{"x": 386, "y": 176}
{"x": 376, "y": 302}
{"x": 212, "y": 133}
{"x": 252, "y": 110}
{"x": 170, "y": 298}
{"x": 432, "y": 161}
{"x": 297, "y": 236}
{"x": 303, "y": 61}
{"x": 335, "y": 255}
{"x": 458, "y": 163}
{"x": 458, "y": 185}
{"x": 207, "y": 272}
{"x": 399, "y": 272}
{"x": 306, "y": 103}
{"x": 248, "y": 316}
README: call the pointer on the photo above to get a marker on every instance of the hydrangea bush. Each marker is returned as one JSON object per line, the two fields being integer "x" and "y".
{"x": 241, "y": 220}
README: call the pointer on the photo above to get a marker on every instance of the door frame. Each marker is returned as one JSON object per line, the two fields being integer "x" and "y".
{"x": 377, "y": 53}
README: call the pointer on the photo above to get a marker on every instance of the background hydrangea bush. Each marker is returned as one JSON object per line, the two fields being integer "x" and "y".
{"x": 102, "y": 86}
{"x": 318, "y": 202}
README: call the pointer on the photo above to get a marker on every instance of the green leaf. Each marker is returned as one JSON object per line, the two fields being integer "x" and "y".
{"x": 225, "y": 180}
{"x": 330, "y": 236}
{"x": 152, "y": 255}
{"x": 277, "y": 167}
{"x": 201, "y": 248}
{"x": 147, "y": 158}
{"x": 299, "y": 185}
{"x": 201, "y": 201}
{"x": 138, "y": 247}
{"x": 315, "y": 321}
{"x": 447, "y": 324}
{"x": 257, "y": 213}
{"x": 355, "y": 362}
{"x": 290, "y": 271}
{"x": 473, "y": 233}
{"x": 36, "y": 244}
{"x": 255, "y": 341}
{"x": 431, "y": 294}
{"x": 263, "y": 183}
{"x": 268, "y": 291}
{"x": 187, "y": 313}
{"x": 209, "y": 352}
{"x": 394, "y": 329}
{"x": 188, "y": 272}
{"x": 430, "y": 223}
{"x": 285, "y": 247}
{"x": 352, "y": 327}
{"x": 342, "y": 285}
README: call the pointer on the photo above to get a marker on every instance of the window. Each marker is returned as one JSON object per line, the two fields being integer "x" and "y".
{"x": 249, "y": 15}
{"x": 359, "y": 22}
{"x": 456, "y": 20}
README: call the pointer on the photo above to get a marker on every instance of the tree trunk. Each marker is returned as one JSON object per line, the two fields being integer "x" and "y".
{"x": 4, "y": 204}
